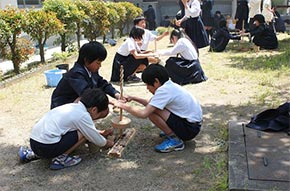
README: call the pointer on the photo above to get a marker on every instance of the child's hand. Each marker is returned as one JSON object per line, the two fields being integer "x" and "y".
{"x": 107, "y": 132}
{"x": 166, "y": 32}
{"x": 109, "y": 144}
{"x": 124, "y": 99}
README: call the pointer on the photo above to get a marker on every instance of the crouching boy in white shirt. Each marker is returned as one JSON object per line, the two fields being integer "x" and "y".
{"x": 172, "y": 109}
{"x": 64, "y": 128}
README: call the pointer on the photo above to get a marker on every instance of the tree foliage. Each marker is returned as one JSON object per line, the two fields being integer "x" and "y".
{"x": 96, "y": 22}
{"x": 63, "y": 17}
{"x": 68, "y": 13}
{"x": 131, "y": 12}
{"x": 41, "y": 25}
{"x": 11, "y": 23}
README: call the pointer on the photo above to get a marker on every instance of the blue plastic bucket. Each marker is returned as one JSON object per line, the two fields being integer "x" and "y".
{"x": 53, "y": 77}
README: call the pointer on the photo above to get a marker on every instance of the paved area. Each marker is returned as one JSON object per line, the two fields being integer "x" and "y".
{"x": 258, "y": 161}
{"x": 7, "y": 65}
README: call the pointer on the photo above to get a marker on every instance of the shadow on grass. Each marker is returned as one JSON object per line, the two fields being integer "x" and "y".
{"x": 273, "y": 60}
{"x": 140, "y": 162}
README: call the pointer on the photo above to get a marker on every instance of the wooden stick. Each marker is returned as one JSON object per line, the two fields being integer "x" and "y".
{"x": 121, "y": 88}
{"x": 121, "y": 96}
{"x": 119, "y": 146}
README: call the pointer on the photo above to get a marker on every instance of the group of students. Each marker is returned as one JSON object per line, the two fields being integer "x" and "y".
{"x": 259, "y": 27}
{"x": 81, "y": 97}
{"x": 261, "y": 34}
{"x": 183, "y": 66}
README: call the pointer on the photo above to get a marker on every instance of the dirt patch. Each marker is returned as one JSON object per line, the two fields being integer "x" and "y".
{"x": 230, "y": 93}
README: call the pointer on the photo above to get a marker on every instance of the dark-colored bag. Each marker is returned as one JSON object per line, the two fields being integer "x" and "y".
{"x": 272, "y": 119}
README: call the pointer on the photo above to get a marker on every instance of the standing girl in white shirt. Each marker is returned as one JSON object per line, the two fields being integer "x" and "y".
{"x": 193, "y": 24}
{"x": 186, "y": 68}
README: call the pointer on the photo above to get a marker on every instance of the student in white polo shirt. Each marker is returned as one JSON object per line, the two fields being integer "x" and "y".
{"x": 171, "y": 108}
{"x": 183, "y": 66}
{"x": 148, "y": 35}
{"x": 64, "y": 128}
{"x": 130, "y": 56}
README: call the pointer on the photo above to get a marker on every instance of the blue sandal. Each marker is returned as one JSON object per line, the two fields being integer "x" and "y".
{"x": 63, "y": 161}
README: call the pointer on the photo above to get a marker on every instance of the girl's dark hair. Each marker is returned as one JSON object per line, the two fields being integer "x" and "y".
{"x": 136, "y": 33}
{"x": 154, "y": 71}
{"x": 260, "y": 18}
{"x": 179, "y": 33}
{"x": 92, "y": 51}
{"x": 138, "y": 19}
{"x": 95, "y": 98}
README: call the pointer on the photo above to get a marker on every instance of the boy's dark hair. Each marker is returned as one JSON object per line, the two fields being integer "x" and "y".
{"x": 218, "y": 12}
{"x": 136, "y": 33}
{"x": 138, "y": 19}
{"x": 154, "y": 71}
{"x": 95, "y": 98}
{"x": 92, "y": 51}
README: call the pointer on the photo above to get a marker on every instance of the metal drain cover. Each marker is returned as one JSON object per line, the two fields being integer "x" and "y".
{"x": 258, "y": 161}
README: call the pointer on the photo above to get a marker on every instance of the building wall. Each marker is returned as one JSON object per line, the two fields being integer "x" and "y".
{"x": 162, "y": 7}
{"x": 171, "y": 7}
{"x": 4, "y": 3}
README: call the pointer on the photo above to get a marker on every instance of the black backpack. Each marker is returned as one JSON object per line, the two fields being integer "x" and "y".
{"x": 272, "y": 119}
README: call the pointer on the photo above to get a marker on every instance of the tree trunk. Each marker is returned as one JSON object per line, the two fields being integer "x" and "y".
{"x": 113, "y": 32}
{"x": 16, "y": 65}
{"x": 78, "y": 33}
{"x": 63, "y": 42}
{"x": 104, "y": 39}
{"x": 41, "y": 52}
{"x": 14, "y": 59}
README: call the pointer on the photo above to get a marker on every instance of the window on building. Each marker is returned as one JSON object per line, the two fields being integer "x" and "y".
{"x": 29, "y": 3}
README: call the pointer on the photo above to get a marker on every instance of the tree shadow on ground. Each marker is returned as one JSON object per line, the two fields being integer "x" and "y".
{"x": 263, "y": 60}
{"x": 140, "y": 168}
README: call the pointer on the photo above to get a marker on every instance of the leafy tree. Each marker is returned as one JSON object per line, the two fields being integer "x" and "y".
{"x": 11, "y": 23}
{"x": 96, "y": 22}
{"x": 131, "y": 12}
{"x": 116, "y": 12}
{"x": 41, "y": 25}
{"x": 68, "y": 13}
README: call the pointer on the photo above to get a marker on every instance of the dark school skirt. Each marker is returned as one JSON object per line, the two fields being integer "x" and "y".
{"x": 184, "y": 72}
{"x": 130, "y": 64}
{"x": 194, "y": 28}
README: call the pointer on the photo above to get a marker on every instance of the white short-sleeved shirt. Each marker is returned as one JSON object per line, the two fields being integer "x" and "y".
{"x": 178, "y": 101}
{"x": 193, "y": 10}
{"x": 254, "y": 8}
{"x": 127, "y": 47}
{"x": 60, "y": 120}
{"x": 183, "y": 47}
{"x": 147, "y": 38}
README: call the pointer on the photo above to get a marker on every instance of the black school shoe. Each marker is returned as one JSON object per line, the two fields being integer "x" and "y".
{"x": 133, "y": 78}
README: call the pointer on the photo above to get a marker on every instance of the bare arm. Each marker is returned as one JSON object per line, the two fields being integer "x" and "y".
{"x": 162, "y": 35}
{"x": 141, "y": 55}
{"x": 138, "y": 99}
{"x": 137, "y": 112}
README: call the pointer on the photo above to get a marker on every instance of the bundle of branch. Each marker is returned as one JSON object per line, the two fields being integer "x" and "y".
{"x": 123, "y": 141}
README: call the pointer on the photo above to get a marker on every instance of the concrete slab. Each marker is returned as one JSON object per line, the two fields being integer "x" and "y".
{"x": 243, "y": 156}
